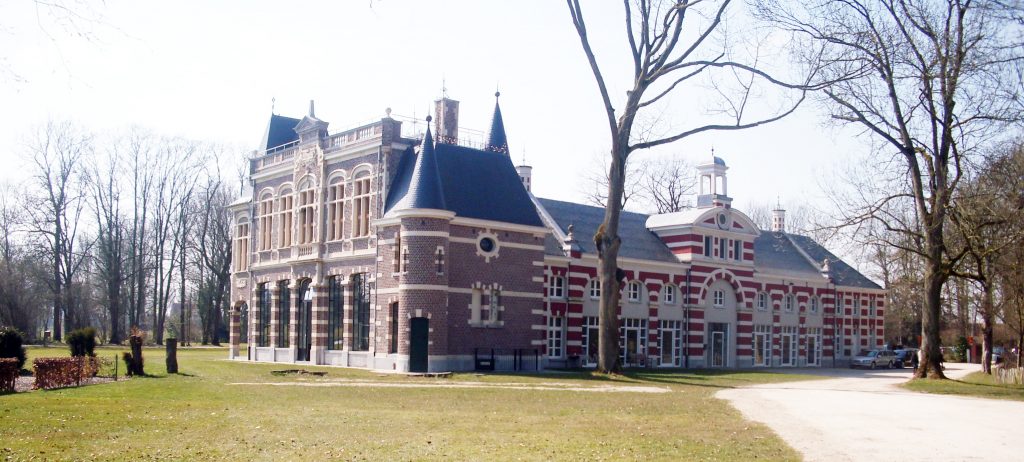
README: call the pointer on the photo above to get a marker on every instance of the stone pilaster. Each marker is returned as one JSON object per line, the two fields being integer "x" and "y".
{"x": 319, "y": 339}
{"x": 275, "y": 315}
{"x": 235, "y": 331}
{"x": 347, "y": 316}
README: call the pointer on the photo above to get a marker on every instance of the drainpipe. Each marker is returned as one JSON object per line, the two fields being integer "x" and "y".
{"x": 835, "y": 325}
{"x": 686, "y": 333}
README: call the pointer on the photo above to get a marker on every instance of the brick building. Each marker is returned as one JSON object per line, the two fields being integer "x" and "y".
{"x": 379, "y": 248}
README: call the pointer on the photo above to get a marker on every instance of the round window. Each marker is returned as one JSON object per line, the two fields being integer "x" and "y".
{"x": 487, "y": 245}
{"x": 721, "y": 218}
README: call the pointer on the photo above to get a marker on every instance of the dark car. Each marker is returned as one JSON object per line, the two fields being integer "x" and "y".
{"x": 905, "y": 357}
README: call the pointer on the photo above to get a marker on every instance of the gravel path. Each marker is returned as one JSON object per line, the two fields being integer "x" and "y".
{"x": 864, "y": 416}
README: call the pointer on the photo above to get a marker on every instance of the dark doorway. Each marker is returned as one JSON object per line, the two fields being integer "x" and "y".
{"x": 418, "y": 344}
{"x": 305, "y": 322}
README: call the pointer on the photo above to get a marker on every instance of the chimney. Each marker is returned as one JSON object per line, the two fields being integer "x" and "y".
{"x": 779, "y": 220}
{"x": 446, "y": 120}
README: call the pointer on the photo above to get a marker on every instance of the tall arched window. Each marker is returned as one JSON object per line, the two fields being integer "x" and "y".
{"x": 266, "y": 210}
{"x": 335, "y": 209}
{"x": 285, "y": 202}
{"x": 335, "y": 310}
{"x": 361, "y": 205}
{"x": 307, "y": 204}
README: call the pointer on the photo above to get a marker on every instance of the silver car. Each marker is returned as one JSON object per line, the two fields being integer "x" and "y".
{"x": 874, "y": 359}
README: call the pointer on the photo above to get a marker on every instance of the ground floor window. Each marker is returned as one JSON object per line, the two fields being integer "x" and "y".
{"x": 762, "y": 345}
{"x": 633, "y": 342}
{"x": 671, "y": 339}
{"x": 788, "y": 343}
{"x": 718, "y": 348}
{"x": 590, "y": 336}
{"x": 814, "y": 346}
{"x": 335, "y": 313}
{"x": 361, "y": 312}
{"x": 394, "y": 328}
{"x": 556, "y": 336}
{"x": 284, "y": 306}
{"x": 263, "y": 328}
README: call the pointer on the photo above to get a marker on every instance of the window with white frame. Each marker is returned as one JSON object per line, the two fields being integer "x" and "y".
{"x": 335, "y": 209}
{"x": 723, "y": 249}
{"x": 718, "y": 298}
{"x": 285, "y": 212}
{"x": 485, "y": 307}
{"x": 762, "y": 345}
{"x": 762, "y": 301}
{"x": 361, "y": 206}
{"x": 556, "y": 337}
{"x": 737, "y": 252}
{"x": 790, "y": 303}
{"x": 494, "y": 307}
{"x": 633, "y": 291}
{"x": 813, "y": 343}
{"x": 590, "y": 340}
{"x": 557, "y": 287}
{"x": 668, "y": 294}
{"x": 671, "y": 341}
{"x": 813, "y": 305}
{"x": 707, "y": 246}
{"x": 307, "y": 198}
{"x": 242, "y": 245}
{"x": 266, "y": 209}
{"x": 788, "y": 346}
{"x": 595, "y": 288}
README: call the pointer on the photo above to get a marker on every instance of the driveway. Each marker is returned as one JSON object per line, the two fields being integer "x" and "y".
{"x": 863, "y": 415}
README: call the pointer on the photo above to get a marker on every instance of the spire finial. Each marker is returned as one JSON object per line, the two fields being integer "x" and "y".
{"x": 312, "y": 114}
{"x": 273, "y": 100}
{"x": 444, "y": 88}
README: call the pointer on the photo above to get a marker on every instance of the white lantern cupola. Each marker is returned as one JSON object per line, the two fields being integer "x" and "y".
{"x": 714, "y": 188}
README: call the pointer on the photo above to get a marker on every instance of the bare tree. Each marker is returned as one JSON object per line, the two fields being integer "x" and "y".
{"x": 58, "y": 152}
{"x": 213, "y": 251}
{"x": 594, "y": 183}
{"x": 667, "y": 184}
{"x": 111, "y": 240}
{"x": 929, "y": 81}
{"x": 671, "y": 44}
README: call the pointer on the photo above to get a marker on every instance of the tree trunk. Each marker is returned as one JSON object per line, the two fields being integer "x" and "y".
{"x": 931, "y": 360}
{"x": 987, "y": 318}
{"x": 172, "y": 356}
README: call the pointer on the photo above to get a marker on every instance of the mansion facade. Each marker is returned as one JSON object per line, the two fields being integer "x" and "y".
{"x": 379, "y": 248}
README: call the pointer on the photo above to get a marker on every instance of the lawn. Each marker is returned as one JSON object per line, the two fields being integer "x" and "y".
{"x": 218, "y": 409}
{"x": 977, "y": 384}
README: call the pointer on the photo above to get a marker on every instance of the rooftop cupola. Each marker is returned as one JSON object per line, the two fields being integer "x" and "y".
{"x": 714, "y": 189}
{"x": 497, "y": 141}
{"x": 779, "y": 219}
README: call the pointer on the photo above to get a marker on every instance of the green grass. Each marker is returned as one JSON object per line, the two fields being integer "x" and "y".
{"x": 977, "y": 384}
{"x": 199, "y": 415}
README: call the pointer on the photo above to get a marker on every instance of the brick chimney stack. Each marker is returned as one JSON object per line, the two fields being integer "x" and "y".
{"x": 446, "y": 120}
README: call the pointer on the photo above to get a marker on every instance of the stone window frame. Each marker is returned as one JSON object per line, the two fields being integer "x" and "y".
{"x": 286, "y": 215}
{"x": 336, "y": 208}
{"x": 266, "y": 211}
{"x": 242, "y": 227}
{"x": 633, "y": 291}
{"x": 362, "y": 193}
{"x": 789, "y": 303}
{"x": 668, "y": 294}
{"x": 594, "y": 288}
{"x": 762, "y": 301}
{"x": 556, "y": 336}
{"x": 812, "y": 305}
{"x": 439, "y": 260}
{"x": 708, "y": 249}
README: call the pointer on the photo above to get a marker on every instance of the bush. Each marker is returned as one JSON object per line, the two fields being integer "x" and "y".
{"x": 82, "y": 342}
{"x": 63, "y": 372}
{"x": 8, "y": 374}
{"x": 10, "y": 345}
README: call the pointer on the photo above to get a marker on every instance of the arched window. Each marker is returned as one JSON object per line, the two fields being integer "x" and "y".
{"x": 361, "y": 205}
{"x": 285, "y": 201}
{"x": 284, "y": 306}
{"x": 335, "y": 309}
{"x": 307, "y": 205}
{"x": 266, "y": 214}
{"x": 335, "y": 209}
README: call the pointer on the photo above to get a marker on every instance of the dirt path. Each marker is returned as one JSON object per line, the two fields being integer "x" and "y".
{"x": 864, "y": 416}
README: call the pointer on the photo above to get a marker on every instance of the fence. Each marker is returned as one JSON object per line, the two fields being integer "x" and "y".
{"x": 1009, "y": 375}
{"x": 506, "y": 359}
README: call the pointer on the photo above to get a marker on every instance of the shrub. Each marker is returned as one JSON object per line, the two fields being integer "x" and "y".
{"x": 10, "y": 345}
{"x": 63, "y": 372}
{"x": 8, "y": 374}
{"x": 82, "y": 342}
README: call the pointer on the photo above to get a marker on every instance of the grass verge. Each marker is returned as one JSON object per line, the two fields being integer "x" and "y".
{"x": 977, "y": 384}
{"x": 202, "y": 414}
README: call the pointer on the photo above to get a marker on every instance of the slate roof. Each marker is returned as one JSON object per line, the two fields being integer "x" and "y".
{"x": 637, "y": 241}
{"x": 497, "y": 141}
{"x": 473, "y": 184}
{"x": 420, "y": 189}
{"x": 842, "y": 273}
{"x": 280, "y": 130}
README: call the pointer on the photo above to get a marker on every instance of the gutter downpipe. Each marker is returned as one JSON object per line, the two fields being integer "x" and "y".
{"x": 686, "y": 334}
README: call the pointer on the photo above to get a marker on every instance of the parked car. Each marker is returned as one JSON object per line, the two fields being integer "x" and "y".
{"x": 874, "y": 359}
{"x": 997, "y": 355}
{"x": 905, "y": 357}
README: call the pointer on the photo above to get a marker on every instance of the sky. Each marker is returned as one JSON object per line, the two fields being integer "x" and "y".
{"x": 214, "y": 70}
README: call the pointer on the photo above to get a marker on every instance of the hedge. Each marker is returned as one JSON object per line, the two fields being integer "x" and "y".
{"x": 8, "y": 374}
{"x": 63, "y": 372}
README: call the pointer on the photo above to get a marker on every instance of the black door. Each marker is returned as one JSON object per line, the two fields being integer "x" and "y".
{"x": 305, "y": 323}
{"x": 418, "y": 345}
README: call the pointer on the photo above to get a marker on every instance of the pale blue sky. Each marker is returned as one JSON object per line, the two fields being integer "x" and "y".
{"x": 208, "y": 70}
